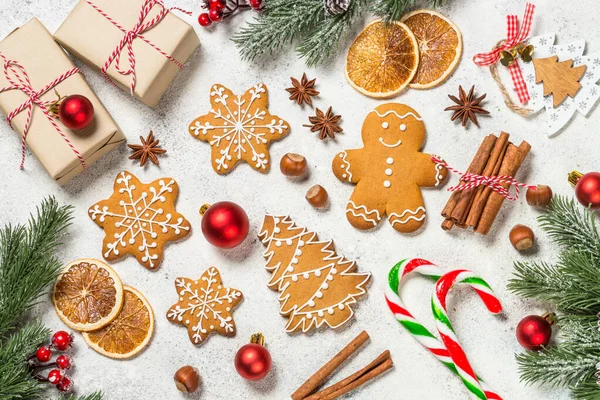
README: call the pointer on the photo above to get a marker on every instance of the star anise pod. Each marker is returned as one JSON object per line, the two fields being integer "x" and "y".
{"x": 327, "y": 124}
{"x": 467, "y": 106}
{"x": 301, "y": 92}
{"x": 148, "y": 150}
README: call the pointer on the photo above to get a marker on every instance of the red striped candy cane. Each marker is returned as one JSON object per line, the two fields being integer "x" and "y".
{"x": 442, "y": 322}
{"x": 392, "y": 296}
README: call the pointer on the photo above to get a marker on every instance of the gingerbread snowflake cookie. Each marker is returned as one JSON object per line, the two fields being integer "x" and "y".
{"x": 389, "y": 170}
{"x": 239, "y": 128}
{"x": 139, "y": 219}
{"x": 316, "y": 286}
{"x": 204, "y": 306}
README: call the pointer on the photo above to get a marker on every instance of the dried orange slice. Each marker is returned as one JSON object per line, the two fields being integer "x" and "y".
{"x": 440, "y": 47}
{"x": 383, "y": 59}
{"x": 88, "y": 294}
{"x": 129, "y": 333}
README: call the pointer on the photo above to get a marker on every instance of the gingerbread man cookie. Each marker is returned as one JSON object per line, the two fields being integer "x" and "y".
{"x": 139, "y": 219}
{"x": 389, "y": 170}
{"x": 239, "y": 128}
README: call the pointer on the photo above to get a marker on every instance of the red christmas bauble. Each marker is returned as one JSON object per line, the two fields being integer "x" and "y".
{"x": 61, "y": 340}
{"x": 219, "y": 4}
{"x": 76, "y": 111}
{"x": 43, "y": 354}
{"x": 204, "y": 20}
{"x": 534, "y": 332}
{"x": 255, "y": 4}
{"x": 253, "y": 362}
{"x": 215, "y": 14}
{"x": 587, "y": 190}
{"x": 225, "y": 224}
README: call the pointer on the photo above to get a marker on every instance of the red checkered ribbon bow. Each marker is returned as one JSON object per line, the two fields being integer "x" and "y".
{"x": 136, "y": 32}
{"x": 514, "y": 36}
{"x": 17, "y": 77}
{"x": 469, "y": 181}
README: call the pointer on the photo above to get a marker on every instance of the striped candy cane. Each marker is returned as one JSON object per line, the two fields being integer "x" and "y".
{"x": 442, "y": 322}
{"x": 406, "y": 319}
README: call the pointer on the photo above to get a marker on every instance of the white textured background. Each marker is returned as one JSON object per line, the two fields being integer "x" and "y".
{"x": 489, "y": 340}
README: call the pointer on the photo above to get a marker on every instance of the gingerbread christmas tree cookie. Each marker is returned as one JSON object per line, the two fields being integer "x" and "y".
{"x": 204, "y": 306}
{"x": 389, "y": 170}
{"x": 315, "y": 285}
{"x": 239, "y": 128}
{"x": 139, "y": 219}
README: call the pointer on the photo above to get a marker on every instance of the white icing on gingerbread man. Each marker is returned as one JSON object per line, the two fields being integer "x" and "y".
{"x": 389, "y": 170}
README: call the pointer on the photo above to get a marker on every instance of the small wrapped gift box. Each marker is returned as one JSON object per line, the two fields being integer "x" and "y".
{"x": 138, "y": 44}
{"x": 33, "y": 68}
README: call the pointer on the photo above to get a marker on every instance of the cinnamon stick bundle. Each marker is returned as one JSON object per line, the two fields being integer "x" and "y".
{"x": 375, "y": 368}
{"x": 478, "y": 207}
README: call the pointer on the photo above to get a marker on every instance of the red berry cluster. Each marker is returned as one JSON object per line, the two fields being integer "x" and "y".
{"x": 218, "y": 10}
{"x": 61, "y": 341}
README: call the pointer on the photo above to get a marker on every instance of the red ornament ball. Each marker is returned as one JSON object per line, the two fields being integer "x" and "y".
{"x": 43, "y": 354}
{"x": 64, "y": 362}
{"x": 225, "y": 224}
{"x": 62, "y": 340}
{"x": 204, "y": 20}
{"x": 218, "y": 4}
{"x": 215, "y": 14}
{"x": 534, "y": 332}
{"x": 55, "y": 376}
{"x": 255, "y": 4}
{"x": 76, "y": 111}
{"x": 253, "y": 362}
{"x": 588, "y": 190}
{"x": 65, "y": 384}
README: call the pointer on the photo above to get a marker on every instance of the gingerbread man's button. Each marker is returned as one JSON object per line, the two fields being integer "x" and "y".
{"x": 387, "y": 183}
{"x": 389, "y": 160}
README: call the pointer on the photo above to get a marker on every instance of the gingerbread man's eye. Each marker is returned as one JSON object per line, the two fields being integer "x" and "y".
{"x": 385, "y": 125}
{"x": 402, "y": 127}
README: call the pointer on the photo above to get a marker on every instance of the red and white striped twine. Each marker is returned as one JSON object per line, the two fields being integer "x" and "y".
{"x": 24, "y": 84}
{"x": 470, "y": 181}
{"x": 136, "y": 32}
{"x": 514, "y": 36}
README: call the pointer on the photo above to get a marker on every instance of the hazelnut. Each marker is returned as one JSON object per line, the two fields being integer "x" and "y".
{"x": 293, "y": 164}
{"x": 187, "y": 379}
{"x": 539, "y": 196}
{"x": 521, "y": 237}
{"x": 317, "y": 196}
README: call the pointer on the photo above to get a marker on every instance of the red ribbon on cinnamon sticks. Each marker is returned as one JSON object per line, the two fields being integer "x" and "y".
{"x": 136, "y": 32}
{"x": 18, "y": 78}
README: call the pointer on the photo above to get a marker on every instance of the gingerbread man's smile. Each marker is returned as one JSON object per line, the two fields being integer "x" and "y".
{"x": 390, "y": 145}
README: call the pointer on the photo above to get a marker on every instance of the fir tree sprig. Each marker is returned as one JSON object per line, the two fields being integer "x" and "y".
{"x": 27, "y": 262}
{"x": 392, "y": 10}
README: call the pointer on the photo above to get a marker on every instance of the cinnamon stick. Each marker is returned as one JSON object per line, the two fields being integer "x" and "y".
{"x": 460, "y": 212}
{"x": 510, "y": 165}
{"x": 448, "y": 223}
{"x": 347, "y": 381}
{"x": 491, "y": 169}
{"x": 318, "y": 377}
{"x": 386, "y": 365}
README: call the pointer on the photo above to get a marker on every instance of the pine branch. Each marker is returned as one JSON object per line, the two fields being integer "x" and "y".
{"x": 93, "y": 396}
{"x": 587, "y": 389}
{"x": 27, "y": 263}
{"x": 15, "y": 380}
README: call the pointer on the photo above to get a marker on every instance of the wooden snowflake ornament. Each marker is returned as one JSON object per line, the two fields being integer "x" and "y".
{"x": 139, "y": 219}
{"x": 204, "y": 306}
{"x": 239, "y": 128}
{"x": 316, "y": 286}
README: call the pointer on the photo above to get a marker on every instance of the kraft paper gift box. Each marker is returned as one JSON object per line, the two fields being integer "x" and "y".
{"x": 33, "y": 48}
{"x": 89, "y": 35}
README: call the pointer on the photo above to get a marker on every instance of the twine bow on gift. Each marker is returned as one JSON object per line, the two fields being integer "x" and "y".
{"x": 136, "y": 32}
{"x": 18, "y": 78}
{"x": 469, "y": 181}
{"x": 515, "y": 36}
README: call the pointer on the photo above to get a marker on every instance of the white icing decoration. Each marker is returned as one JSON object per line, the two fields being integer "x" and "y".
{"x": 388, "y": 171}
{"x": 346, "y": 166}
{"x": 402, "y": 127}
{"x": 288, "y": 242}
{"x": 387, "y": 183}
{"x": 408, "y": 114}
{"x": 389, "y": 161}
{"x": 355, "y": 211}
{"x": 391, "y": 146}
{"x": 132, "y": 217}
{"x": 413, "y": 215}
{"x": 278, "y": 243}
{"x": 385, "y": 125}
{"x": 438, "y": 174}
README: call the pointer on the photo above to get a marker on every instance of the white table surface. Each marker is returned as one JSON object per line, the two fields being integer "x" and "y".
{"x": 489, "y": 340}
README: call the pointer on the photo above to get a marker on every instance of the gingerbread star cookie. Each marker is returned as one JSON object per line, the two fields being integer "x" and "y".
{"x": 204, "y": 306}
{"x": 316, "y": 286}
{"x": 139, "y": 219}
{"x": 239, "y": 128}
{"x": 389, "y": 171}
